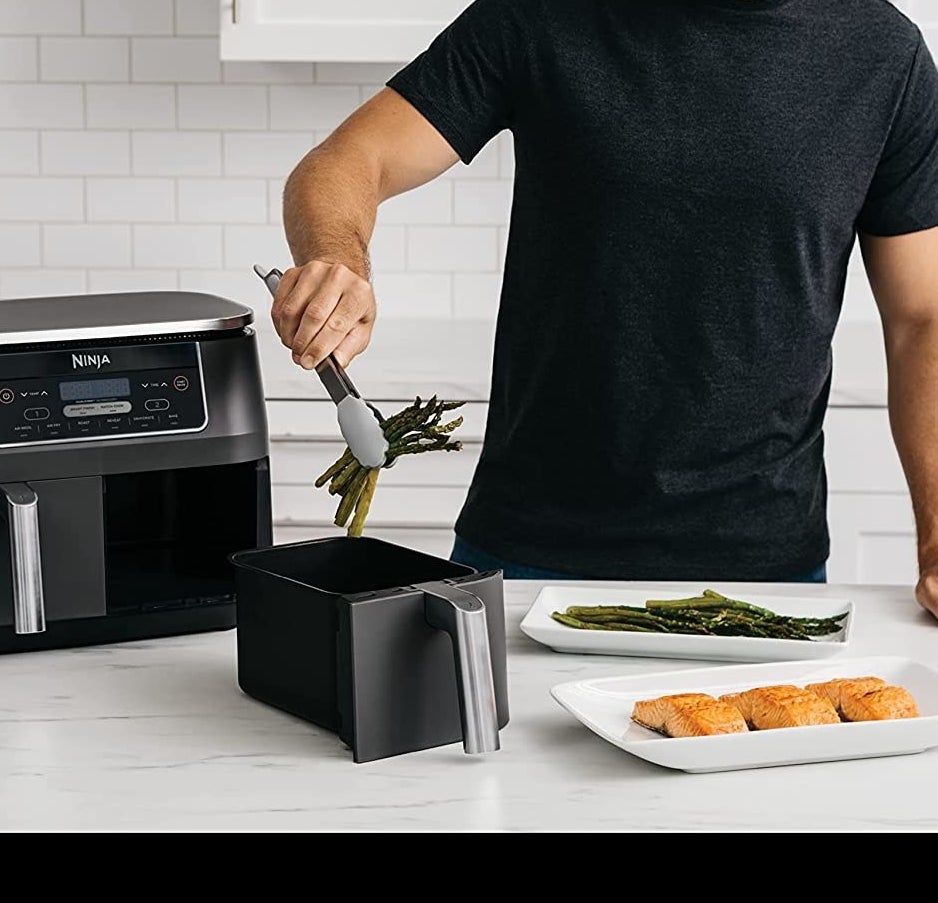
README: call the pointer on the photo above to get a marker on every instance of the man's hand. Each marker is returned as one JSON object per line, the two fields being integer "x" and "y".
{"x": 927, "y": 590}
{"x": 321, "y": 309}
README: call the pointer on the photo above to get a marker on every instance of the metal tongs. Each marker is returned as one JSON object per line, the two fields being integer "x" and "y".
{"x": 359, "y": 421}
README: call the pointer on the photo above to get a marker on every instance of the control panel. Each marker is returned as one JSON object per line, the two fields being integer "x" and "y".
{"x": 100, "y": 393}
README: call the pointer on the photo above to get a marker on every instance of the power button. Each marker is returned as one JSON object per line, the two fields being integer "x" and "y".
{"x": 7, "y": 396}
{"x": 180, "y": 383}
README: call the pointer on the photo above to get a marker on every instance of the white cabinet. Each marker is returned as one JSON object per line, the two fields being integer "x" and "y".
{"x": 322, "y": 30}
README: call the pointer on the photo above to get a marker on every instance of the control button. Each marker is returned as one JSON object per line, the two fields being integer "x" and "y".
{"x": 156, "y": 404}
{"x": 84, "y": 426}
{"x": 7, "y": 396}
{"x": 52, "y": 429}
{"x": 181, "y": 383}
{"x": 36, "y": 413}
{"x": 144, "y": 422}
{"x": 24, "y": 430}
{"x": 97, "y": 408}
{"x": 114, "y": 424}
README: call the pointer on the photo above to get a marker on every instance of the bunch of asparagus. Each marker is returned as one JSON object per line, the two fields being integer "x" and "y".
{"x": 417, "y": 429}
{"x": 708, "y": 614}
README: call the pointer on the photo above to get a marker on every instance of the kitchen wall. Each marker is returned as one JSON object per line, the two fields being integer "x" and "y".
{"x": 131, "y": 158}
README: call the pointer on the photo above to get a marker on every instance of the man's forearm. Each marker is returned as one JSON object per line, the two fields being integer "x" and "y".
{"x": 330, "y": 202}
{"x": 912, "y": 356}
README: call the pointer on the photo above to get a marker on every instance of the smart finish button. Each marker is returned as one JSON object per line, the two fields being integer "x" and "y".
{"x": 181, "y": 383}
{"x": 7, "y": 396}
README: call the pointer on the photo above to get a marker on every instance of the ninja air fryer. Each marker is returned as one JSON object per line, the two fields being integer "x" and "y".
{"x": 133, "y": 462}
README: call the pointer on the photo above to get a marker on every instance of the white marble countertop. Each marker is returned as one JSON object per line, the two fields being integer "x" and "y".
{"x": 452, "y": 358}
{"x": 157, "y": 736}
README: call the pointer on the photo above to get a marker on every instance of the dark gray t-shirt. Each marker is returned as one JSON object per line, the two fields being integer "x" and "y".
{"x": 690, "y": 178}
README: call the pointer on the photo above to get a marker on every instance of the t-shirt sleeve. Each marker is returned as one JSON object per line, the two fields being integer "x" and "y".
{"x": 903, "y": 196}
{"x": 467, "y": 82}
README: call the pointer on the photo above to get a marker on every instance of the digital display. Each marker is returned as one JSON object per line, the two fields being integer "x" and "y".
{"x": 94, "y": 389}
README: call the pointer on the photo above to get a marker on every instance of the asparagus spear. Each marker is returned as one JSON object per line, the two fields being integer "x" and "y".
{"x": 710, "y": 613}
{"x": 416, "y": 429}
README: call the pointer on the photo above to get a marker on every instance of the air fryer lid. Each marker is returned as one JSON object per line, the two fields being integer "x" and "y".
{"x": 70, "y": 318}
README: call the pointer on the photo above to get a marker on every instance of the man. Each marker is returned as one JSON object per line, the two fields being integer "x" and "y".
{"x": 691, "y": 176}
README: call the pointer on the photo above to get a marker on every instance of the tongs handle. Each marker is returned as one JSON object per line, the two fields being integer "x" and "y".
{"x": 331, "y": 372}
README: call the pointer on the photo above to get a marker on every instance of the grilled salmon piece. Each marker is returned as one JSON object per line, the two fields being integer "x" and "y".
{"x": 879, "y": 704}
{"x": 765, "y": 708}
{"x": 746, "y": 700}
{"x": 834, "y": 690}
{"x": 688, "y": 715}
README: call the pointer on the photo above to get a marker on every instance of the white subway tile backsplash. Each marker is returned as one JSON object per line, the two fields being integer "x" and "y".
{"x": 19, "y": 152}
{"x": 165, "y": 167}
{"x": 177, "y": 246}
{"x": 131, "y": 106}
{"x": 83, "y": 59}
{"x": 35, "y": 106}
{"x": 40, "y": 17}
{"x": 431, "y": 203}
{"x": 176, "y": 153}
{"x": 131, "y": 200}
{"x": 86, "y": 246}
{"x": 222, "y": 201}
{"x": 413, "y": 294}
{"x": 247, "y": 245}
{"x": 38, "y": 283}
{"x": 18, "y": 59}
{"x": 305, "y": 107}
{"x": 482, "y": 202}
{"x": 452, "y": 248}
{"x": 19, "y": 245}
{"x": 175, "y": 60}
{"x": 355, "y": 73}
{"x": 222, "y": 107}
{"x": 198, "y": 17}
{"x": 77, "y": 153}
{"x": 388, "y": 249}
{"x": 275, "y": 201}
{"x": 132, "y": 280}
{"x": 506, "y": 155}
{"x": 264, "y": 153}
{"x": 128, "y": 17}
{"x": 475, "y": 295}
{"x": 252, "y": 72}
{"x": 41, "y": 200}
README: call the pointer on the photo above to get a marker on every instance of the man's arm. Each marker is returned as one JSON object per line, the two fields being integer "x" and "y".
{"x": 903, "y": 272}
{"x": 325, "y": 303}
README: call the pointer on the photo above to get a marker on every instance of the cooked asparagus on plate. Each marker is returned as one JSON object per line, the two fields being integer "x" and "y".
{"x": 710, "y": 613}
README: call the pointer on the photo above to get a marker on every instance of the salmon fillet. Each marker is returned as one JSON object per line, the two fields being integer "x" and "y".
{"x": 879, "y": 704}
{"x": 834, "y": 690}
{"x": 765, "y": 708}
{"x": 688, "y": 715}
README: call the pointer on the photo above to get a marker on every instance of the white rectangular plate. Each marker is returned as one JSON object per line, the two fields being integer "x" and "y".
{"x": 605, "y": 707}
{"x": 540, "y": 626}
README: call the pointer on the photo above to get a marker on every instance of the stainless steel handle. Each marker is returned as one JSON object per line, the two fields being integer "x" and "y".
{"x": 462, "y": 615}
{"x": 29, "y": 611}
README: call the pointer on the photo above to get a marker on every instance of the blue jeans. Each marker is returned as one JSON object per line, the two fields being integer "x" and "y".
{"x": 463, "y": 553}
